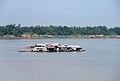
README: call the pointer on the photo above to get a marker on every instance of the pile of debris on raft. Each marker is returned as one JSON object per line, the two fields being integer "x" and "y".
{"x": 55, "y": 47}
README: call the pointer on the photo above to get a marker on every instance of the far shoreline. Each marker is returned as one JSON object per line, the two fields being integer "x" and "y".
{"x": 58, "y": 36}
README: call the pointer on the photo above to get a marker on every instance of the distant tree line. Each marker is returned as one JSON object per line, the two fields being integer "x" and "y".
{"x": 18, "y": 30}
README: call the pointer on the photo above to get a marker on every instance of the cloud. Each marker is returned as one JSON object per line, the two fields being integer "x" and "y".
{"x": 69, "y": 12}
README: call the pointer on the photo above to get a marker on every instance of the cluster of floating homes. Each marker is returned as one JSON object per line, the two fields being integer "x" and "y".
{"x": 56, "y": 47}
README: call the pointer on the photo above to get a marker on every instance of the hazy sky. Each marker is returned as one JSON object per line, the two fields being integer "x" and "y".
{"x": 60, "y": 12}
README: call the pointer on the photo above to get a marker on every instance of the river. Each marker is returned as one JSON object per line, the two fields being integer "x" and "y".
{"x": 100, "y": 61}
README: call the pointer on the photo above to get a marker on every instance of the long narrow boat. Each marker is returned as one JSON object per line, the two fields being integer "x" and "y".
{"x": 55, "y": 47}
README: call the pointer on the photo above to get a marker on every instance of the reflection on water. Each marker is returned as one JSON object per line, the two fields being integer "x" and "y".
{"x": 100, "y": 61}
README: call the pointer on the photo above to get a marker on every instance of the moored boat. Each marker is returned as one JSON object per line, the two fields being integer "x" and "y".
{"x": 55, "y": 47}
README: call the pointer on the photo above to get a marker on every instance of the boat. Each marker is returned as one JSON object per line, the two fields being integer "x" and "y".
{"x": 55, "y": 47}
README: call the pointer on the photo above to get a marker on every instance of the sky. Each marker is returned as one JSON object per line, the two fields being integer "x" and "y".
{"x": 60, "y": 12}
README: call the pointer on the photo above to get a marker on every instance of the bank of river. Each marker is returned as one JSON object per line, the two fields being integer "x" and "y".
{"x": 34, "y": 36}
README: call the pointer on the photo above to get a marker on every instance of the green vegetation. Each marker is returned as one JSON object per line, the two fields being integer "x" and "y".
{"x": 57, "y": 31}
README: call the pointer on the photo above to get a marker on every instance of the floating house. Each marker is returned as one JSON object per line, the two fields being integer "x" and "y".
{"x": 55, "y": 47}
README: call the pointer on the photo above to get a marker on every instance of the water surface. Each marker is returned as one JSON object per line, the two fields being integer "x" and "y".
{"x": 100, "y": 61}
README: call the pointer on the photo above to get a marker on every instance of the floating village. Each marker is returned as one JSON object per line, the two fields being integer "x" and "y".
{"x": 55, "y": 47}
